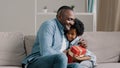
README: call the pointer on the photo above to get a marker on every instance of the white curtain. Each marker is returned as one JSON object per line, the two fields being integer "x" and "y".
{"x": 108, "y": 15}
{"x": 117, "y": 20}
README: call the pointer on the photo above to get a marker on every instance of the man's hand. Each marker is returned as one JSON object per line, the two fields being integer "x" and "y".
{"x": 65, "y": 51}
{"x": 83, "y": 43}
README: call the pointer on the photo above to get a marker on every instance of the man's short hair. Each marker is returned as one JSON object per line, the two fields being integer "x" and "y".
{"x": 64, "y": 8}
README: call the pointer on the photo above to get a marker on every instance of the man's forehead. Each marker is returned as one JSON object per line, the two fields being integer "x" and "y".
{"x": 69, "y": 13}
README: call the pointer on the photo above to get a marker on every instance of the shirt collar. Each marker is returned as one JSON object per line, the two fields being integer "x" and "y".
{"x": 75, "y": 41}
{"x": 60, "y": 26}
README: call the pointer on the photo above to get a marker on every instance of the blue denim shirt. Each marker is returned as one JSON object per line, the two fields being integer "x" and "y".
{"x": 88, "y": 53}
{"x": 48, "y": 40}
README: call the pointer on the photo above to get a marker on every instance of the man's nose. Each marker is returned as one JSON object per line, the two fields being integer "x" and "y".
{"x": 71, "y": 22}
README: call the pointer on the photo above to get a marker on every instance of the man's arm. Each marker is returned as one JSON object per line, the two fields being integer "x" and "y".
{"x": 45, "y": 35}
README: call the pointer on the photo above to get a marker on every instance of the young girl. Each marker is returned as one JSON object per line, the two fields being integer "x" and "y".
{"x": 88, "y": 60}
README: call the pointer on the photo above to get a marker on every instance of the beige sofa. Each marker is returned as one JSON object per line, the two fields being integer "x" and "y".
{"x": 15, "y": 46}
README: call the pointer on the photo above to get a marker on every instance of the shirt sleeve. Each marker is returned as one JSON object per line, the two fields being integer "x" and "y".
{"x": 45, "y": 36}
{"x": 92, "y": 55}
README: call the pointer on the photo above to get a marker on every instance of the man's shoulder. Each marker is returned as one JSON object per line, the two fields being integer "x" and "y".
{"x": 48, "y": 24}
{"x": 51, "y": 21}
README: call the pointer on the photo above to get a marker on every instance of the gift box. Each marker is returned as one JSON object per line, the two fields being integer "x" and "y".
{"x": 75, "y": 51}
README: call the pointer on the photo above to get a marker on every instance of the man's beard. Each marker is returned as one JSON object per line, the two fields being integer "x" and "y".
{"x": 66, "y": 27}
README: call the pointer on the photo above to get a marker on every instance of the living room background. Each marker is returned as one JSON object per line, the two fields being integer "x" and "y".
{"x": 19, "y": 15}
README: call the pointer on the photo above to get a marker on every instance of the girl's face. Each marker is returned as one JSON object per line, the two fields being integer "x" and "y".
{"x": 71, "y": 34}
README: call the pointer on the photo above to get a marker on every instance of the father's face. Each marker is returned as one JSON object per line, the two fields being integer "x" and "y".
{"x": 67, "y": 19}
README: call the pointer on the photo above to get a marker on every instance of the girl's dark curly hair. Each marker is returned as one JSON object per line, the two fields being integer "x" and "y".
{"x": 79, "y": 26}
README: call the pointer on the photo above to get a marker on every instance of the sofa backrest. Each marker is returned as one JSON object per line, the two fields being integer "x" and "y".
{"x": 105, "y": 45}
{"x": 29, "y": 41}
{"x": 11, "y": 48}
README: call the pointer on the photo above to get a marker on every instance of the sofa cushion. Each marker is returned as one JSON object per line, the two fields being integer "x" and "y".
{"x": 10, "y": 67}
{"x": 106, "y": 45}
{"x": 108, "y": 65}
{"x": 29, "y": 41}
{"x": 11, "y": 48}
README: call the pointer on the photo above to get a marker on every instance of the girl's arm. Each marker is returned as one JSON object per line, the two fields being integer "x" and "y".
{"x": 77, "y": 58}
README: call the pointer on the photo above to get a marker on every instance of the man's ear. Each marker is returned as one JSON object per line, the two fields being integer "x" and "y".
{"x": 59, "y": 17}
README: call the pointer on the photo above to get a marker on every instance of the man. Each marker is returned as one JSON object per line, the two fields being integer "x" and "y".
{"x": 50, "y": 43}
